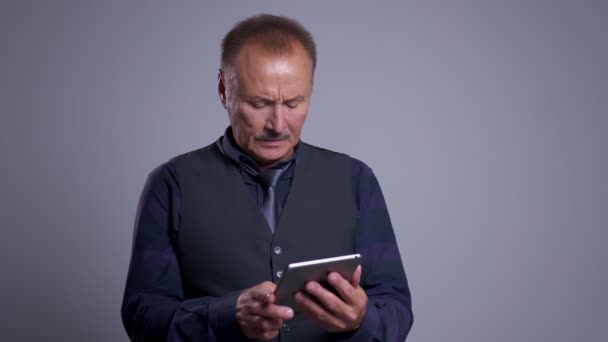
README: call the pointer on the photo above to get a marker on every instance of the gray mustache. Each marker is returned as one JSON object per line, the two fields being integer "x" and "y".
{"x": 272, "y": 137}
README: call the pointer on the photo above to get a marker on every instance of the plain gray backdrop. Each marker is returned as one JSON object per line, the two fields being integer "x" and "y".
{"x": 485, "y": 122}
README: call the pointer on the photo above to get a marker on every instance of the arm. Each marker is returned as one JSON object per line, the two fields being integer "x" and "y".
{"x": 388, "y": 314}
{"x": 154, "y": 308}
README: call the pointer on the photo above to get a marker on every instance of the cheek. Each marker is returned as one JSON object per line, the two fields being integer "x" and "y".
{"x": 250, "y": 123}
{"x": 297, "y": 121}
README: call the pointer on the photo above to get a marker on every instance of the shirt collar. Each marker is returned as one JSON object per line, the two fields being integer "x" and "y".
{"x": 232, "y": 150}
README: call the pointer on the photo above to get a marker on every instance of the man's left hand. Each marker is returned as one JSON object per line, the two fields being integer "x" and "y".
{"x": 335, "y": 313}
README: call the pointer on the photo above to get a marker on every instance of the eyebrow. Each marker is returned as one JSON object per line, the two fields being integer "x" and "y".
{"x": 298, "y": 98}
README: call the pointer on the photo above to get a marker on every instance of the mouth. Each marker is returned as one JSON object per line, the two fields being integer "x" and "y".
{"x": 271, "y": 142}
{"x": 272, "y": 139}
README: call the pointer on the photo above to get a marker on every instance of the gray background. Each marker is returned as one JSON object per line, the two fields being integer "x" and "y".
{"x": 484, "y": 121}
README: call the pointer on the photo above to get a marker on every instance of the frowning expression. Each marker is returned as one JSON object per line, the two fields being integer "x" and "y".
{"x": 268, "y": 100}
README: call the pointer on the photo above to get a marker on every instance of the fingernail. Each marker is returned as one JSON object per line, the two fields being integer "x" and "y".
{"x": 289, "y": 313}
{"x": 333, "y": 277}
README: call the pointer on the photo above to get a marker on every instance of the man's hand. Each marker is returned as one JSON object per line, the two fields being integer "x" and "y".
{"x": 333, "y": 313}
{"x": 257, "y": 315}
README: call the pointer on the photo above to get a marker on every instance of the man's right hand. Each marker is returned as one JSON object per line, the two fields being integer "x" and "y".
{"x": 257, "y": 315}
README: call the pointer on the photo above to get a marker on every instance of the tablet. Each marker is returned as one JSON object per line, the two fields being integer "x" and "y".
{"x": 296, "y": 275}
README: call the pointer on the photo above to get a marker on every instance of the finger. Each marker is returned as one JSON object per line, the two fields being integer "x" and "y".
{"x": 345, "y": 289}
{"x": 342, "y": 287}
{"x": 326, "y": 298}
{"x": 356, "y": 280}
{"x": 263, "y": 296}
{"x": 259, "y": 325}
{"x": 264, "y": 292}
{"x": 268, "y": 324}
{"x": 272, "y": 311}
{"x": 256, "y": 332}
{"x": 268, "y": 335}
{"x": 312, "y": 309}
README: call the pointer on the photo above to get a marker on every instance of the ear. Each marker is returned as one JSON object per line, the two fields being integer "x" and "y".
{"x": 221, "y": 88}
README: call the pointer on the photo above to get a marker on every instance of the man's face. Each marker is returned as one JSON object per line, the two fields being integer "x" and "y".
{"x": 269, "y": 102}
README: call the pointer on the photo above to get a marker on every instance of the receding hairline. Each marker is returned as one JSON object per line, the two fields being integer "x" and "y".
{"x": 258, "y": 47}
{"x": 276, "y": 35}
{"x": 232, "y": 73}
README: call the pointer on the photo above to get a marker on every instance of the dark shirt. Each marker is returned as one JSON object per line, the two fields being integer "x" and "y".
{"x": 249, "y": 169}
{"x": 154, "y": 307}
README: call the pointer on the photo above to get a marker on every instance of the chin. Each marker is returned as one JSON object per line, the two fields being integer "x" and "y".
{"x": 271, "y": 157}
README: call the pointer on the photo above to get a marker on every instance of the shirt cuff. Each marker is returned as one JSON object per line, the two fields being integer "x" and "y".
{"x": 222, "y": 318}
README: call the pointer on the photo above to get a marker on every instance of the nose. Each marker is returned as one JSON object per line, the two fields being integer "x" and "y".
{"x": 276, "y": 120}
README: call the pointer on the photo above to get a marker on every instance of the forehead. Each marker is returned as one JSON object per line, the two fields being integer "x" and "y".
{"x": 257, "y": 64}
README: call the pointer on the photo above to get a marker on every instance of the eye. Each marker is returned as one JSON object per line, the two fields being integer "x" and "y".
{"x": 258, "y": 104}
{"x": 292, "y": 104}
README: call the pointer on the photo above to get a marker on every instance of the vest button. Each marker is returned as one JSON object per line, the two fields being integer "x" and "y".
{"x": 279, "y": 274}
{"x": 278, "y": 250}
{"x": 286, "y": 328}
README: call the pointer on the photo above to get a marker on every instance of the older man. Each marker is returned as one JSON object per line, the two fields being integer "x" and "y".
{"x": 216, "y": 226}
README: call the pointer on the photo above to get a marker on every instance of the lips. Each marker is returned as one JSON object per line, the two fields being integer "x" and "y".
{"x": 271, "y": 143}
{"x": 271, "y": 140}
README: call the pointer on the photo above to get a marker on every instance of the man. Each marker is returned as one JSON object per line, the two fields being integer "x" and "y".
{"x": 216, "y": 226}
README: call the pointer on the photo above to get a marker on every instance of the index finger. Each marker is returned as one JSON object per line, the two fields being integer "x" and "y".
{"x": 263, "y": 296}
{"x": 263, "y": 293}
{"x": 346, "y": 289}
{"x": 272, "y": 311}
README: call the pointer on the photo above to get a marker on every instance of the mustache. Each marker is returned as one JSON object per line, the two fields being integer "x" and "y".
{"x": 272, "y": 136}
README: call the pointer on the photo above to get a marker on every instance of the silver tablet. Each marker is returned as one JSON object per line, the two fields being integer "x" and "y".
{"x": 296, "y": 275}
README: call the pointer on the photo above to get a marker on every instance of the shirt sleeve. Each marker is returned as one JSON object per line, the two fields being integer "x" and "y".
{"x": 389, "y": 314}
{"x": 154, "y": 308}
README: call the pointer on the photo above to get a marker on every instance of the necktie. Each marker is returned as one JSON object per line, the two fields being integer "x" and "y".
{"x": 268, "y": 179}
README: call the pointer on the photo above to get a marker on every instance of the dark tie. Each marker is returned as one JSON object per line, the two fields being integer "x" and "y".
{"x": 269, "y": 178}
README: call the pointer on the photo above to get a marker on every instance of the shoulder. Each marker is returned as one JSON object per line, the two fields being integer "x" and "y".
{"x": 166, "y": 174}
{"x": 202, "y": 152}
{"x": 316, "y": 150}
{"x": 329, "y": 154}
{"x": 358, "y": 168}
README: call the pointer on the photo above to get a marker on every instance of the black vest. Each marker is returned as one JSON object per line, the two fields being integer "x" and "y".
{"x": 224, "y": 243}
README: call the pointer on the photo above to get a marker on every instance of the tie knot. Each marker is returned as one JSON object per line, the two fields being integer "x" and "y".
{"x": 269, "y": 178}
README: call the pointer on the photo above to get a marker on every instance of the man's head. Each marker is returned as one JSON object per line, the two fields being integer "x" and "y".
{"x": 265, "y": 84}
